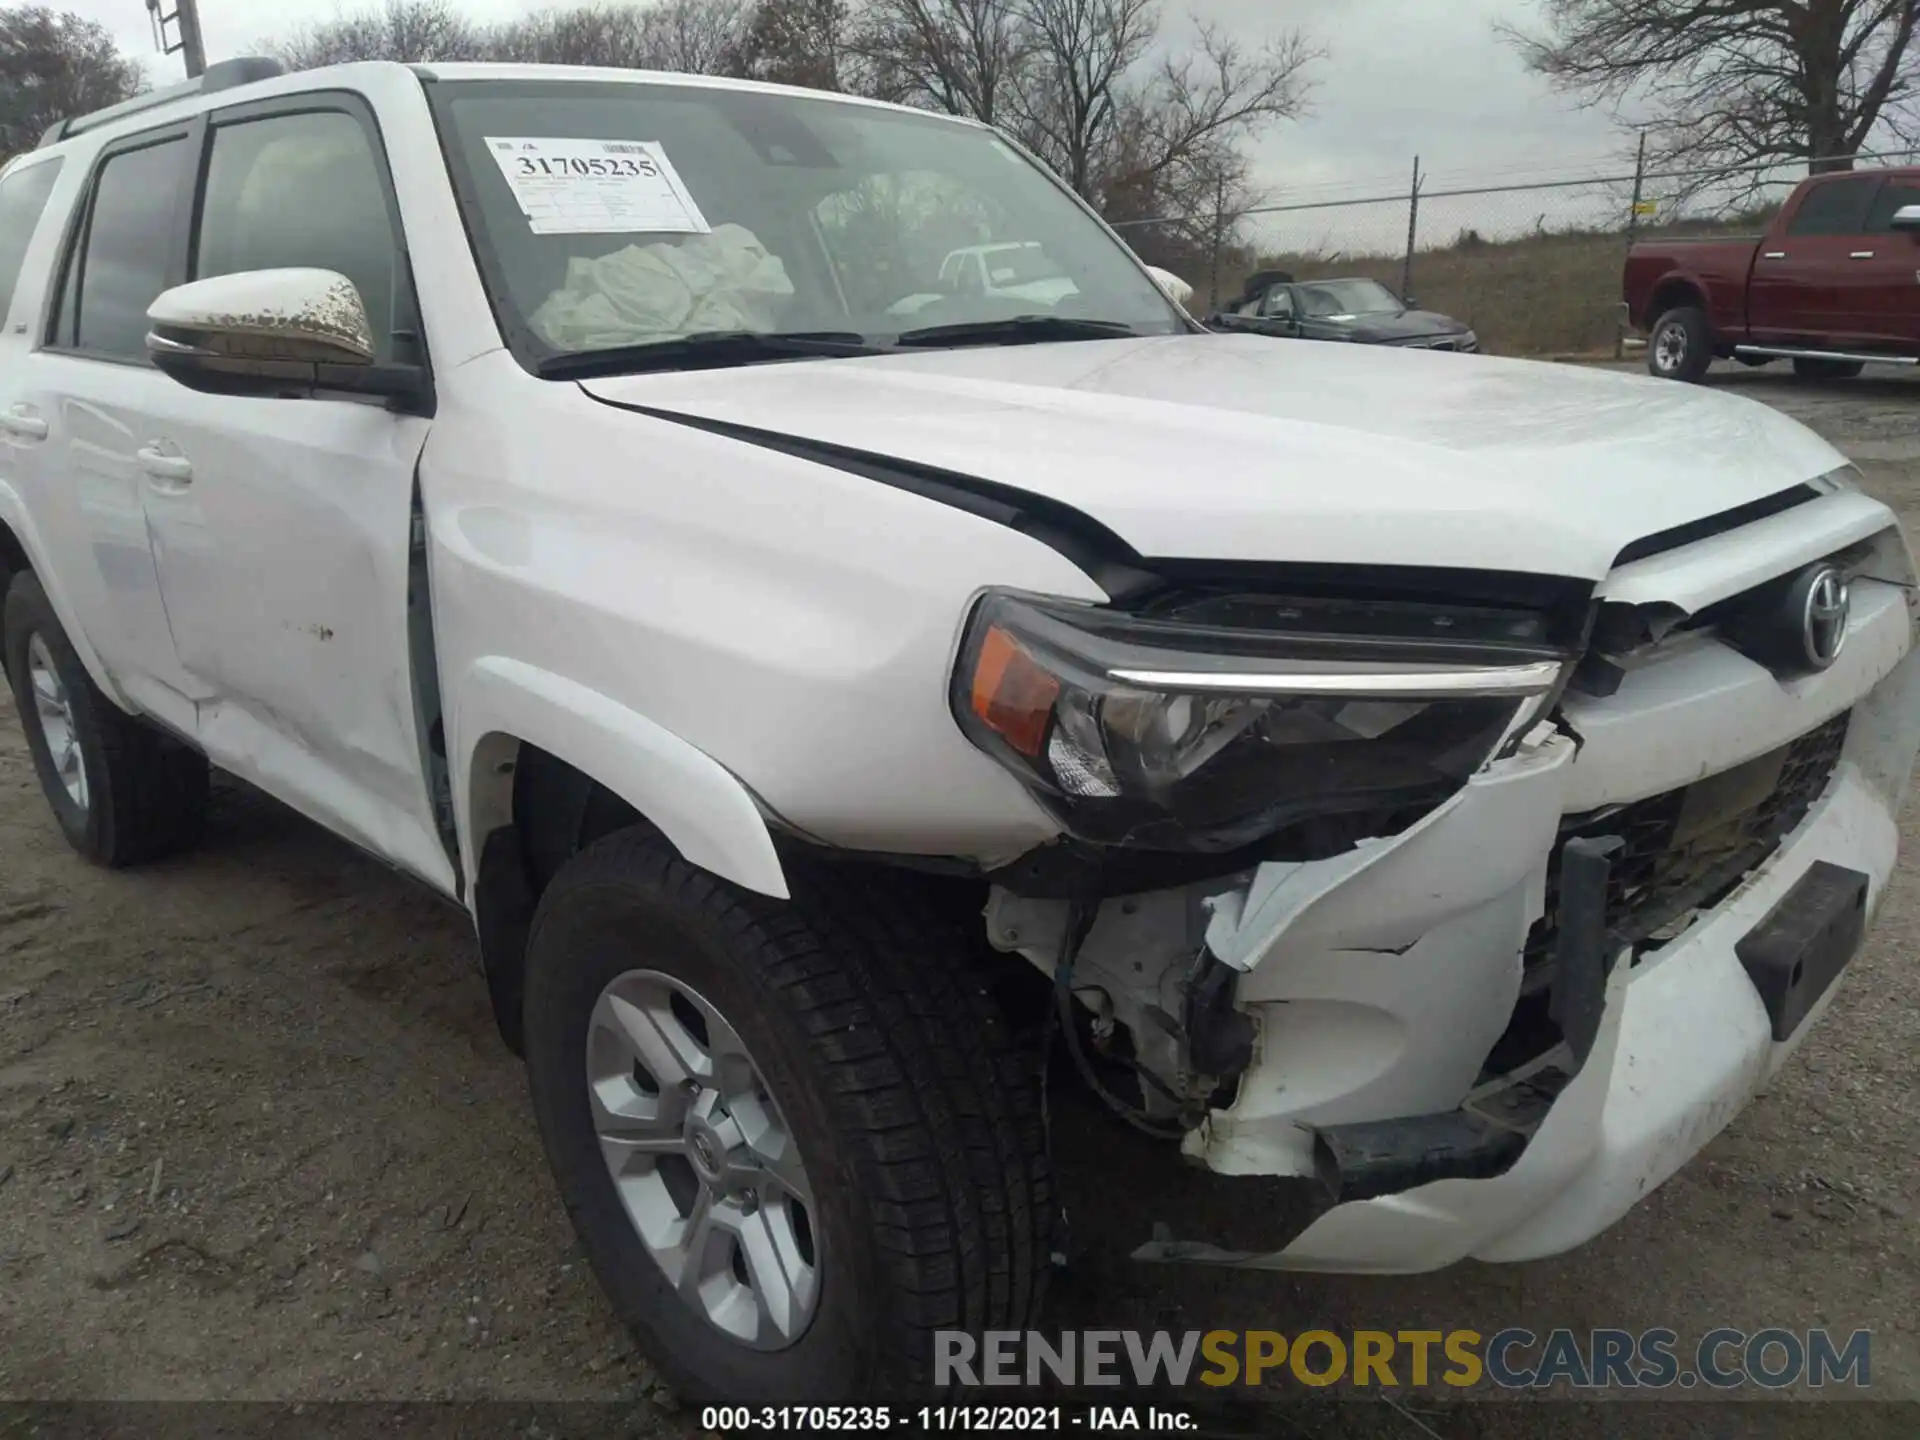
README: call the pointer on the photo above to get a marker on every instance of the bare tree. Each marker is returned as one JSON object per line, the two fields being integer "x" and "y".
{"x": 698, "y": 37}
{"x": 406, "y": 30}
{"x": 692, "y": 36}
{"x": 1081, "y": 53}
{"x": 1072, "y": 79}
{"x": 960, "y": 56}
{"x": 1732, "y": 83}
{"x": 1145, "y": 141}
{"x": 798, "y": 42}
{"x": 55, "y": 65}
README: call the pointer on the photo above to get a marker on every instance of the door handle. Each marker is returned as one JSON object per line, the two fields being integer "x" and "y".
{"x": 18, "y": 422}
{"x": 1774, "y": 255}
{"x": 1861, "y": 255}
{"x": 162, "y": 466}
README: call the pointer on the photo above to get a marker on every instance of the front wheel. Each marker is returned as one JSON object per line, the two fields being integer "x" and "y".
{"x": 1813, "y": 367}
{"x": 796, "y": 1139}
{"x": 1681, "y": 345}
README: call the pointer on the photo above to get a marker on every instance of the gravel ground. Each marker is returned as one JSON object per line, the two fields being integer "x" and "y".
{"x": 258, "y": 1140}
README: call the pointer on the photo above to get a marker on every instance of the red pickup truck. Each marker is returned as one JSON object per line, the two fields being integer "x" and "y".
{"x": 1833, "y": 284}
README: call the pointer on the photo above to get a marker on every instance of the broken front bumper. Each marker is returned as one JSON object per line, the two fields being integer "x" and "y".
{"x": 1383, "y": 979}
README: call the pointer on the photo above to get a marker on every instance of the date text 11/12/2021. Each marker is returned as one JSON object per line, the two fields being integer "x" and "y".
{"x": 937, "y": 1419}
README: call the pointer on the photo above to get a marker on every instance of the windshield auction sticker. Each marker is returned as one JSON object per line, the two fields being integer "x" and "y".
{"x": 596, "y": 187}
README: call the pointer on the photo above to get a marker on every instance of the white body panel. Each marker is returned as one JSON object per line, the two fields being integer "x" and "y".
{"x": 734, "y": 639}
{"x": 1362, "y": 454}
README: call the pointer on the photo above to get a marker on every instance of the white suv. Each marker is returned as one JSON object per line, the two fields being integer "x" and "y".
{"x": 1452, "y": 787}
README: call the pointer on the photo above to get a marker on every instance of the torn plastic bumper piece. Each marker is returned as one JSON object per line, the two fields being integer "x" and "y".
{"x": 1370, "y": 1159}
{"x": 1383, "y": 1157}
{"x": 1584, "y": 957}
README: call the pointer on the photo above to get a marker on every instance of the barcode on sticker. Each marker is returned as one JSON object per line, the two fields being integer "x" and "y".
{"x": 616, "y": 147}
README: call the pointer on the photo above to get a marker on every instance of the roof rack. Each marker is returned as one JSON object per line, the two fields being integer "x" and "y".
{"x": 224, "y": 75}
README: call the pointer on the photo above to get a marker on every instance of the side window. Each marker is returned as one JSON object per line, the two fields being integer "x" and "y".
{"x": 1895, "y": 195}
{"x": 1838, "y": 207}
{"x": 297, "y": 191}
{"x": 120, "y": 261}
{"x": 23, "y": 200}
{"x": 1278, "y": 303}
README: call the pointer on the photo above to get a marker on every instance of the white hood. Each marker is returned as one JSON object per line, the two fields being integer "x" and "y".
{"x": 1240, "y": 447}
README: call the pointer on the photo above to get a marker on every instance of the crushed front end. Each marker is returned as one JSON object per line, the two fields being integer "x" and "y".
{"x": 1484, "y": 1024}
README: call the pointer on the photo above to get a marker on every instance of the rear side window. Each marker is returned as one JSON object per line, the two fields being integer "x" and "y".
{"x": 297, "y": 191}
{"x": 1839, "y": 207}
{"x": 1895, "y": 195}
{"x": 122, "y": 264}
{"x": 23, "y": 200}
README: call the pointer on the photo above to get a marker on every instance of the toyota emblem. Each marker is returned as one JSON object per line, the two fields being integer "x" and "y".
{"x": 1823, "y": 621}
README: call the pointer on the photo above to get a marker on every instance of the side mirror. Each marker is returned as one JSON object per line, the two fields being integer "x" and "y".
{"x": 1907, "y": 218}
{"x": 268, "y": 332}
{"x": 1178, "y": 290}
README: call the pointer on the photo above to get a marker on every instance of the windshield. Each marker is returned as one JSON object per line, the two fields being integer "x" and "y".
{"x": 1330, "y": 299}
{"x": 609, "y": 215}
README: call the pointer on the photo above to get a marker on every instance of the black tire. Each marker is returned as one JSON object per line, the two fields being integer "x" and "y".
{"x": 145, "y": 792}
{"x": 1680, "y": 346}
{"x": 915, "y": 1114}
{"x": 1811, "y": 367}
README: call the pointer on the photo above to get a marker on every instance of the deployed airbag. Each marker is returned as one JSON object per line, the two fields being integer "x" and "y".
{"x": 726, "y": 280}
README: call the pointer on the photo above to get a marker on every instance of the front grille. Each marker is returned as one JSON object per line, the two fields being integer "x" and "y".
{"x": 1685, "y": 850}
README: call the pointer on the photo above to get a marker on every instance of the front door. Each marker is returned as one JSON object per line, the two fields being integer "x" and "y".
{"x": 1885, "y": 288}
{"x": 1801, "y": 275}
{"x": 282, "y": 527}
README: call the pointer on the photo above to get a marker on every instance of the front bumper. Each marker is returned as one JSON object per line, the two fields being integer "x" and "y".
{"x": 1382, "y": 980}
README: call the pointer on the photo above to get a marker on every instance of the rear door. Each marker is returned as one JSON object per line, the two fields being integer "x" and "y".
{"x": 77, "y": 416}
{"x": 24, "y": 193}
{"x": 1885, "y": 287}
{"x": 1801, "y": 278}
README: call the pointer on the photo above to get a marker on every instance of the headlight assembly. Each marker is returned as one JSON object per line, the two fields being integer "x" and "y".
{"x": 1215, "y": 724}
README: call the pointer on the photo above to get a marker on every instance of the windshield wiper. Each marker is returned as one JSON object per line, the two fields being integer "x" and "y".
{"x": 1020, "y": 330}
{"x": 704, "y": 350}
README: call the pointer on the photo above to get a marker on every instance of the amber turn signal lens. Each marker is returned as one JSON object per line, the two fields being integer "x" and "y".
{"x": 1012, "y": 694}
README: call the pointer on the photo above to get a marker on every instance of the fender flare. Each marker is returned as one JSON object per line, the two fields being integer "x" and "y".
{"x": 1677, "y": 279}
{"x": 707, "y": 814}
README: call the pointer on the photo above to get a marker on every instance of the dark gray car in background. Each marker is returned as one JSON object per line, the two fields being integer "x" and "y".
{"x": 1357, "y": 309}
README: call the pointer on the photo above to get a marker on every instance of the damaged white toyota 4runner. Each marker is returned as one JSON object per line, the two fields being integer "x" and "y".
{"x": 1454, "y": 784}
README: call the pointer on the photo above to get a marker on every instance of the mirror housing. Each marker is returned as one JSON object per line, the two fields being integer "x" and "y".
{"x": 1907, "y": 218}
{"x": 1178, "y": 290}
{"x": 273, "y": 332}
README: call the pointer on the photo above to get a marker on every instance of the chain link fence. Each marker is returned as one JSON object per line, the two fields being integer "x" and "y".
{"x": 1533, "y": 266}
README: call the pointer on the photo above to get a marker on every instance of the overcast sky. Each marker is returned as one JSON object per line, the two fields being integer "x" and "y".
{"x": 1402, "y": 76}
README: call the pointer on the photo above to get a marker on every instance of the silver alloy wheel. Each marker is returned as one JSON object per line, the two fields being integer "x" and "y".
{"x": 1670, "y": 347}
{"x": 55, "y": 709}
{"x": 702, "y": 1159}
